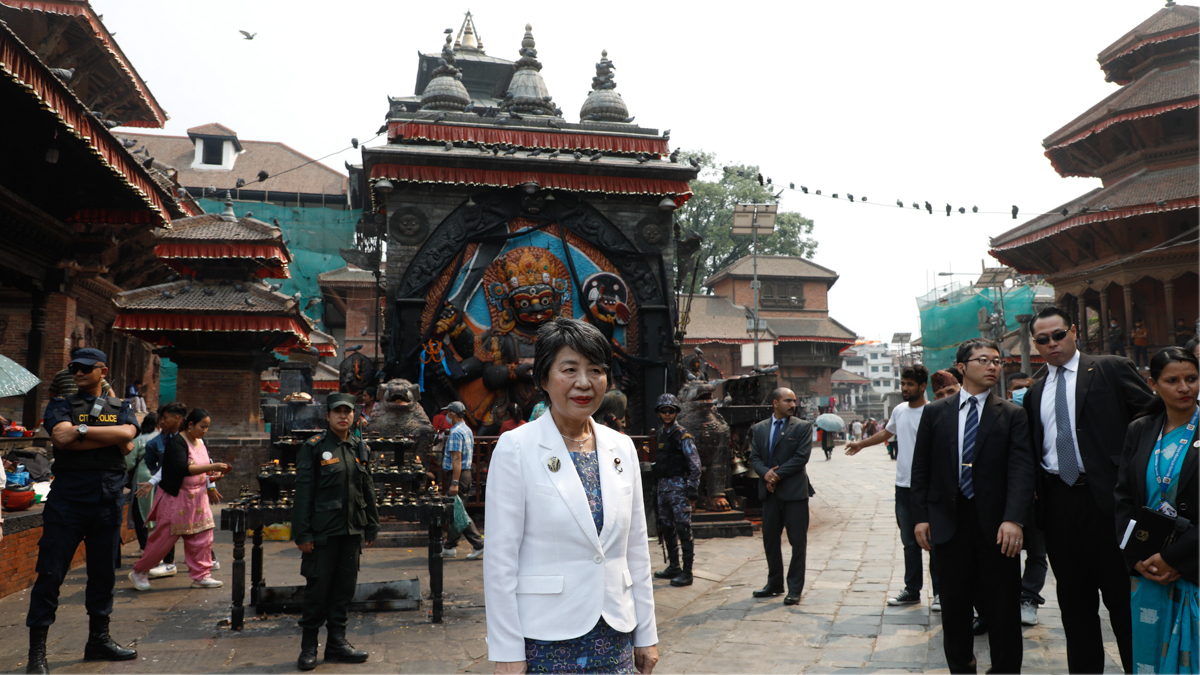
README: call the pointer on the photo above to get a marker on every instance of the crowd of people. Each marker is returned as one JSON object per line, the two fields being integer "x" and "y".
{"x": 1067, "y": 470}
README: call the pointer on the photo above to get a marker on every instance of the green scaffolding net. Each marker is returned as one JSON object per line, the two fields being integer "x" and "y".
{"x": 313, "y": 235}
{"x": 952, "y": 314}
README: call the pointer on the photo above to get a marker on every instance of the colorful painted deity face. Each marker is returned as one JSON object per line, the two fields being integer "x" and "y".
{"x": 533, "y": 305}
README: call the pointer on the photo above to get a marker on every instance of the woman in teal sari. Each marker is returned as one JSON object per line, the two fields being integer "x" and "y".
{"x": 1158, "y": 471}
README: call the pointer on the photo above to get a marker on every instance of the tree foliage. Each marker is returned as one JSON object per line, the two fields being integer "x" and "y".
{"x": 709, "y": 213}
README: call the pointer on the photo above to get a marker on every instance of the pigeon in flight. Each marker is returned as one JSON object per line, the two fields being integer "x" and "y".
{"x": 313, "y": 303}
{"x": 362, "y": 332}
{"x": 248, "y": 36}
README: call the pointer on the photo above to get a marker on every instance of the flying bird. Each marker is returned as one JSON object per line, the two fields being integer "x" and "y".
{"x": 248, "y": 36}
{"x": 313, "y": 303}
{"x": 362, "y": 332}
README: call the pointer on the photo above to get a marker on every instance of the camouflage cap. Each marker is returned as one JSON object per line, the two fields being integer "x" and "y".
{"x": 667, "y": 401}
{"x": 334, "y": 401}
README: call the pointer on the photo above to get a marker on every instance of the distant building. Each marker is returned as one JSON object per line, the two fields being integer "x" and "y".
{"x": 795, "y": 306}
{"x": 876, "y": 362}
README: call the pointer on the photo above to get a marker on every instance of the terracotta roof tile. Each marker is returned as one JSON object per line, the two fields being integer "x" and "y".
{"x": 274, "y": 158}
{"x": 714, "y": 317}
{"x": 819, "y": 327}
{"x": 212, "y": 129}
{"x": 210, "y": 226}
{"x": 1164, "y": 20}
{"x": 1141, "y": 188}
{"x": 224, "y": 299}
{"x": 1155, "y": 88}
{"x": 775, "y": 266}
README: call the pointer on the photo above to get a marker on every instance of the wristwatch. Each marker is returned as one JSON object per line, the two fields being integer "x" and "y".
{"x": 454, "y": 482}
{"x": 83, "y": 429}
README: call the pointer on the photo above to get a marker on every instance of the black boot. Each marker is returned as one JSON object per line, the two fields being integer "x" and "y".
{"x": 671, "y": 541}
{"x": 100, "y": 647}
{"x": 337, "y": 648}
{"x": 308, "y": 649}
{"x": 685, "y": 575}
{"x": 37, "y": 650}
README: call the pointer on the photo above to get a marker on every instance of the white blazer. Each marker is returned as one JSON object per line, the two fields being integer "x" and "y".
{"x": 546, "y": 575}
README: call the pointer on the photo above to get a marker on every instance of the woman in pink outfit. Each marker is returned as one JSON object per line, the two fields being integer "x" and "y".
{"x": 181, "y": 508}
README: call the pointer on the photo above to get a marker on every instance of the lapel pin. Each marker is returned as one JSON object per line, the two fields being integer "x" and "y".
{"x": 554, "y": 464}
{"x": 327, "y": 455}
{"x": 1196, "y": 444}
{"x": 617, "y": 463}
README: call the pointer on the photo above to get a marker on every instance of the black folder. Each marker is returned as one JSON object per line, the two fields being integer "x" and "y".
{"x": 1153, "y": 531}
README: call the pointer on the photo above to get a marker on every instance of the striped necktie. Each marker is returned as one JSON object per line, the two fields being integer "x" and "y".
{"x": 968, "y": 455}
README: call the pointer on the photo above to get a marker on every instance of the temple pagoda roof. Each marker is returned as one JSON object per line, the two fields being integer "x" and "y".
{"x": 208, "y": 237}
{"x": 205, "y": 297}
{"x": 70, "y": 35}
{"x": 1146, "y": 191}
{"x": 788, "y": 266}
{"x": 1169, "y": 23}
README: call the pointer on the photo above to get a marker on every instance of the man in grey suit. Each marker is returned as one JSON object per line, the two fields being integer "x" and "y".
{"x": 779, "y": 450}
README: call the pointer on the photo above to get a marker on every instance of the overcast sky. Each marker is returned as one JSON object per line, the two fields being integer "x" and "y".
{"x": 938, "y": 101}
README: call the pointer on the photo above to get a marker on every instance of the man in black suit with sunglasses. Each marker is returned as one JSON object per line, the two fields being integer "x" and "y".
{"x": 1078, "y": 414}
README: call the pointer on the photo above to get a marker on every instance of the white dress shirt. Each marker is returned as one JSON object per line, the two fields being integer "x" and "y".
{"x": 963, "y": 407}
{"x": 1068, "y": 375}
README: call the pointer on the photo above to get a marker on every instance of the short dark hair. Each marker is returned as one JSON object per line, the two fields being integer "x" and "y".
{"x": 1017, "y": 376}
{"x": 967, "y": 348}
{"x": 1162, "y": 359}
{"x": 149, "y": 423}
{"x": 777, "y": 395}
{"x": 372, "y": 392}
{"x": 1048, "y": 312}
{"x": 174, "y": 407}
{"x": 195, "y": 417}
{"x": 580, "y": 336}
{"x": 917, "y": 373}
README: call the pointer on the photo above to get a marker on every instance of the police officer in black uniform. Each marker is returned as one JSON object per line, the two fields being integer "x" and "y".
{"x": 677, "y": 481}
{"x": 91, "y": 434}
{"x": 333, "y": 514}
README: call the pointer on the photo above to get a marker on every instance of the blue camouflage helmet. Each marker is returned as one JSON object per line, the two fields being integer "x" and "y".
{"x": 667, "y": 401}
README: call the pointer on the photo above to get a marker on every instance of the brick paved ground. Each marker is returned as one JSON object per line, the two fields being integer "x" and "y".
{"x": 841, "y": 625}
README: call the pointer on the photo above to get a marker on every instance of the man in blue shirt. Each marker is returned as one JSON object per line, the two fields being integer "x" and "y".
{"x": 91, "y": 436}
{"x": 456, "y": 462}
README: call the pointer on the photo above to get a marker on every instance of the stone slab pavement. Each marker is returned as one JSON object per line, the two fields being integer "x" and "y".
{"x": 842, "y": 625}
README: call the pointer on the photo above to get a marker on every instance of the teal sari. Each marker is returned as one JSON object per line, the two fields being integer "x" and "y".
{"x": 1166, "y": 618}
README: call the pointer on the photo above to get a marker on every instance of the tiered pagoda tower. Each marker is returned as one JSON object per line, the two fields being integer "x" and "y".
{"x": 221, "y": 319}
{"x": 1127, "y": 250}
{"x": 499, "y": 214}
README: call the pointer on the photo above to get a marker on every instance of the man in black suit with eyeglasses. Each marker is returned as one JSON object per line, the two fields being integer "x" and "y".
{"x": 1079, "y": 414}
{"x": 972, "y": 493}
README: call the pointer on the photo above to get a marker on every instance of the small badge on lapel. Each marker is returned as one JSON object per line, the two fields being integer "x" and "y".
{"x": 554, "y": 464}
{"x": 1196, "y": 444}
{"x": 327, "y": 455}
{"x": 617, "y": 464}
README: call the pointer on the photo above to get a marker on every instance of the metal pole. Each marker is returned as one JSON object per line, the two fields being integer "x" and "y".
{"x": 754, "y": 284}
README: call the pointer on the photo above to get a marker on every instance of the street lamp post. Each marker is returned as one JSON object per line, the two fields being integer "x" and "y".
{"x": 748, "y": 219}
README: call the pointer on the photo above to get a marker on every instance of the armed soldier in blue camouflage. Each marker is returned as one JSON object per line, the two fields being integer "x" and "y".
{"x": 677, "y": 479}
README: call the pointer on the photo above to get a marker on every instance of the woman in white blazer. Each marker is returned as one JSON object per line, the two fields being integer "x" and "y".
{"x": 567, "y": 574}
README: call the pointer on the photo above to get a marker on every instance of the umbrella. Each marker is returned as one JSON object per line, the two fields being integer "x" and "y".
{"x": 830, "y": 422}
{"x": 15, "y": 380}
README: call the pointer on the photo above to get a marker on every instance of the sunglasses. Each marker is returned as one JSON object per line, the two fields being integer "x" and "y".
{"x": 80, "y": 368}
{"x": 1057, "y": 336}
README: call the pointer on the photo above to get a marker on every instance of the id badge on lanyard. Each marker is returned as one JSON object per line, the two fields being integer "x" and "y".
{"x": 1174, "y": 453}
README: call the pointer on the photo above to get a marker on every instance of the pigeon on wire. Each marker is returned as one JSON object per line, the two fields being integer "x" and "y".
{"x": 1015, "y": 210}
{"x": 382, "y": 129}
{"x": 835, "y": 195}
{"x": 929, "y": 208}
{"x": 818, "y": 193}
{"x": 849, "y": 196}
{"x": 805, "y": 190}
{"x": 248, "y": 36}
{"x": 947, "y": 210}
{"x": 354, "y": 143}
{"x": 899, "y": 203}
{"x": 263, "y": 175}
{"x": 916, "y": 206}
{"x": 974, "y": 209}
{"x": 962, "y": 209}
{"x": 241, "y": 182}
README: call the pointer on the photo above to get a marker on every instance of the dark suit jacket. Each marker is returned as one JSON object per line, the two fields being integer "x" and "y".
{"x": 1109, "y": 393}
{"x": 1130, "y": 494}
{"x": 1003, "y": 471}
{"x": 791, "y": 455}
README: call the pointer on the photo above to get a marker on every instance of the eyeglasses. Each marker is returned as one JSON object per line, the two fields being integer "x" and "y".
{"x": 985, "y": 361}
{"x": 1057, "y": 336}
{"x": 80, "y": 368}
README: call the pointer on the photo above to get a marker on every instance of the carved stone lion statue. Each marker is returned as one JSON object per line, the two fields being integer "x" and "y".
{"x": 399, "y": 413}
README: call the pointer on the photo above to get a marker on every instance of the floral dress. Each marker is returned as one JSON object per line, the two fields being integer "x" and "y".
{"x": 603, "y": 649}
